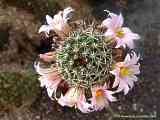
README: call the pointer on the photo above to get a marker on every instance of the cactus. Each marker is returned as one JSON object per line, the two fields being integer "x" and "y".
{"x": 85, "y": 59}
{"x": 17, "y": 89}
{"x": 91, "y": 62}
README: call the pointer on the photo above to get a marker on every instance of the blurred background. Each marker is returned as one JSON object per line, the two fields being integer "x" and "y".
{"x": 21, "y": 98}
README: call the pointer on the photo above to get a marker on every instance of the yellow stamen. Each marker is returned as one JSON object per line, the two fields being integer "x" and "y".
{"x": 99, "y": 92}
{"x": 124, "y": 71}
{"x": 119, "y": 33}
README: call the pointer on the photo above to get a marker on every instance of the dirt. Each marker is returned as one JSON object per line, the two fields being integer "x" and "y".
{"x": 142, "y": 103}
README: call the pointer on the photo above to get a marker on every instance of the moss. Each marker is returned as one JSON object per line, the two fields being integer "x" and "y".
{"x": 17, "y": 88}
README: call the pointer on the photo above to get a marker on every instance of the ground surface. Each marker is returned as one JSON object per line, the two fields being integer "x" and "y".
{"x": 143, "y": 16}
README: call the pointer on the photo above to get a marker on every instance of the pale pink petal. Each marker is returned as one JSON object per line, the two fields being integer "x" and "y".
{"x": 126, "y": 90}
{"x": 115, "y": 72}
{"x": 50, "y": 92}
{"x": 44, "y": 28}
{"x": 127, "y": 58}
{"x": 129, "y": 37}
{"x": 119, "y": 89}
{"x": 55, "y": 84}
{"x": 49, "y": 19}
{"x": 66, "y": 13}
{"x": 65, "y": 102}
{"x": 109, "y": 96}
{"x": 53, "y": 88}
{"x": 43, "y": 81}
{"x": 134, "y": 78}
{"x": 42, "y": 71}
{"x": 129, "y": 42}
{"x": 117, "y": 20}
{"x": 107, "y": 23}
{"x": 58, "y": 18}
{"x": 119, "y": 42}
{"x": 85, "y": 107}
{"x": 114, "y": 22}
{"x": 131, "y": 59}
{"x": 109, "y": 33}
{"x": 133, "y": 36}
{"x": 135, "y": 58}
{"x": 130, "y": 82}
{"x": 116, "y": 83}
{"x": 123, "y": 86}
{"x": 50, "y": 82}
{"x": 134, "y": 69}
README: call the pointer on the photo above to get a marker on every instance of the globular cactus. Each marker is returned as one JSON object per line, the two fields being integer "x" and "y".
{"x": 85, "y": 59}
{"x": 91, "y": 62}
{"x": 17, "y": 89}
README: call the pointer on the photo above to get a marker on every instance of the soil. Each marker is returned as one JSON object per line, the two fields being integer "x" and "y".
{"x": 142, "y": 102}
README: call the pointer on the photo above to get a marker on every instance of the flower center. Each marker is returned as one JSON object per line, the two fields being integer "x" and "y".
{"x": 119, "y": 33}
{"x": 124, "y": 71}
{"x": 99, "y": 93}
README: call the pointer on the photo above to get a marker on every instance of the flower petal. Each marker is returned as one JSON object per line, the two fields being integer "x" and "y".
{"x": 44, "y": 28}
{"x": 109, "y": 33}
{"x": 53, "y": 88}
{"x": 134, "y": 69}
{"x": 85, "y": 107}
{"x": 49, "y": 19}
{"x": 64, "y": 101}
{"x": 66, "y": 13}
{"x": 106, "y": 23}
{"x": 116, "y": 83}
{"x": 42, "y": 71}
{"x": 116, "y": 21}
{"x": 134, "y": 78}
{"x": 109, "y": 93}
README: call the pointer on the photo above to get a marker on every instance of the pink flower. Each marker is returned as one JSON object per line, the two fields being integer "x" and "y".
{"x": 122, "y": 35}
{"x": 101, "y": 97}
{"x": 75, "y": 98}
{"x": 58, "y": 23}
{"x": 49, "y": 78}
{"x": 51, "y": 82}
{"x": 125, "y": 73}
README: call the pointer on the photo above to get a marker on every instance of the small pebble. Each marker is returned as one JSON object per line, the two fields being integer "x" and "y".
{"x": 37, "y": 117}
{"x": 154, "y": 106}
{"x": 134, "y": 107}
{"x": 119, "y": 107}
{"x": 141, "y": 109}
{"x": 152, "y": 90}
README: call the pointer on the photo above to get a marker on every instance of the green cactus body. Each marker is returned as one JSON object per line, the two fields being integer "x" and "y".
{"x": 85, "y": 59}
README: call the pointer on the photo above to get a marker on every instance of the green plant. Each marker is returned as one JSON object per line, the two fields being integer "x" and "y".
{"x": 17, "y": 88}
{"x": 85, "y": 59}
